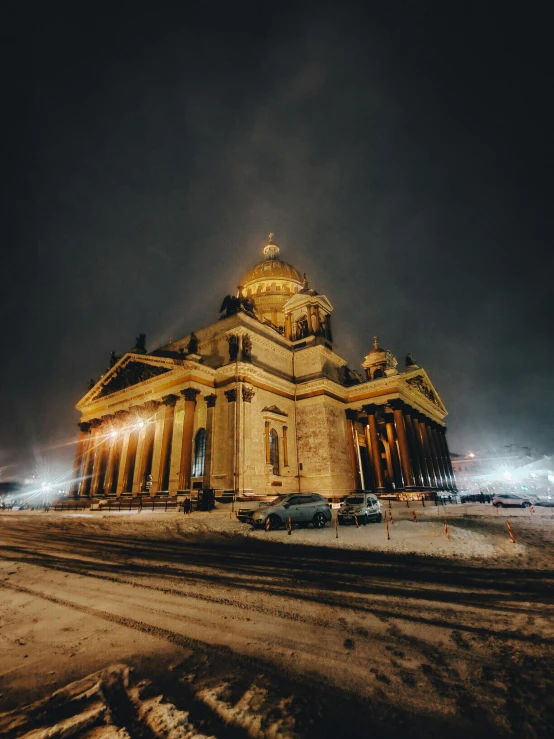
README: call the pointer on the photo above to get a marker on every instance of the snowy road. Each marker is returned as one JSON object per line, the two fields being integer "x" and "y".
{"x": 246, "y": 637}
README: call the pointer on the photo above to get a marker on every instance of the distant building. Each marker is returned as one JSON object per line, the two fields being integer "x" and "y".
{"x": 511, "y": 468}
{"x": 261, "y": 402}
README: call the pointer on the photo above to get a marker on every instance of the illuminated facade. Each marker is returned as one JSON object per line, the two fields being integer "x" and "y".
{"x": 261, "y": 402}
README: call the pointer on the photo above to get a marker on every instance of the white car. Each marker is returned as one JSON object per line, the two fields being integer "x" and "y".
{"x": 510, "y": 500}
{"x": 362, "y": 506}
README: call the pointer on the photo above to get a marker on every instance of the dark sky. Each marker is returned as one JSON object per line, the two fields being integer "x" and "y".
{"x": 400, "y": 152}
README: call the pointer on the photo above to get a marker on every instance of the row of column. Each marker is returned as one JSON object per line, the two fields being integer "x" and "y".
{"x": 111, "y": 460}
{"x": 415, "y": 449}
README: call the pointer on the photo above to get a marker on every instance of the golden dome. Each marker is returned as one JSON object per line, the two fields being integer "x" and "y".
{"x": 272, "y": 267}
{"x": 270, "y": 284}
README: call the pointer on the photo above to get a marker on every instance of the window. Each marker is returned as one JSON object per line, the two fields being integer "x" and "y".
{"x": 199, "y": 453}
{"x": 274, "y": 451}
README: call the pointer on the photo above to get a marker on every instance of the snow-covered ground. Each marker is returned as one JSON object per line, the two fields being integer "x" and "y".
{"x": 166, "y": 625}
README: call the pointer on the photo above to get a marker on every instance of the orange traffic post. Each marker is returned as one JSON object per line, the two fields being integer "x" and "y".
{"x": 336, "y": 527}
{"x": 267, "y": 524}
{"x": 387, "y": 527}
{"x": 356, "y": 522}
{"x": 414, "y": 514}
{"x": 512, "y": 537}
{"x": 289, "y": 525}
{"x": 446, "y": 531}
{"x": 391, "y": 517}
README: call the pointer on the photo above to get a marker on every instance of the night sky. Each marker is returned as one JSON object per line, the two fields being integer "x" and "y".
{"x": 401, "y": 153}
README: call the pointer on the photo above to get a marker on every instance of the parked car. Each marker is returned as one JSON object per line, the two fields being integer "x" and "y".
{"x": 510, "y": 500}
{"x": 363, "y": 506}
{"x": 301, "y": 508}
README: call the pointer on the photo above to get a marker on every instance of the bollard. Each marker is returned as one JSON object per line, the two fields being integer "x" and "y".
{"x": 531, "y": 508}
{"x": 512, "y": 537}
{"x": 267, "y": 524}
{"x": 336, "y": 527}
{"x": 496, "y": 509}
{"x": 423, "y": 501}
{"x": 390, "y": 504}
{"x": 446, "y": 531}
{"x": 407, "y": 503}
{"x": 289, "y": 525}
{"x": 356, "y": 521}
{"x": 391, "y": 518}
{"x": 387, "y": 527}
{"x": 414, "y": 514}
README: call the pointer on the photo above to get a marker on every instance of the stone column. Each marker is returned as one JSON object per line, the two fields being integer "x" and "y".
{"x": 414, "y": 457}
{"x": 245, "y": 440}
{"x": 436, "y": 456}
{"x": 80, "y": 453}
{"x": 431, "y": 466}
{"x": 316, "y": 323}
{"x": 285, "y": 447}
{"x": 112, "y": 441}
{"x": 162, "y": 444}
{"x": 210, "y": 403}
{"x": 309, "y": 317}
{"x": 90, "y": 458}
{"x": 421, "y": 451}
{"x": 188, "y": 428}
{"x": 444, "y": 443}
{"x": 138, "y": 479}
{"x": 442, "y": 461}
{"x": 375, "y": 451}
{"x": 407, "y": 472}
{"x": 288, "y": 326}
{"x": 121, "y": 479}
{"x": 231, "y": 396}
{"x": 176, "y": 446}
{"x": 391, "y": 438}
{"x": 351, "y": 417}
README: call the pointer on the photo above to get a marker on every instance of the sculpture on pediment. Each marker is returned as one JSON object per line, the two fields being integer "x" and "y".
{"x": 419, "y": 384}
{"x": 91, "y": 383}
{"x": 410, "y": 361}
{"x": 132, "y": 373}
{"x": 114, "y": 359}
{"x": 390, "y": 360}
{"x": 233, "y": 342}
{"x": 192, "y": 346}
{"x": 140, "y": 344}
{"x": 230, "y": 305}
{"x": 246, "y": 348}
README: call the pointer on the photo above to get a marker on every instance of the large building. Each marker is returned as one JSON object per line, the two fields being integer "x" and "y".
{"x": 261, "y": 402}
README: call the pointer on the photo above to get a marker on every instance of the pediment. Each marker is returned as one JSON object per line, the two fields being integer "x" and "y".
{"x": 301, "y": 299}
{"x": 130, "y": 370}
{"x": 274, "y": 409}
{"x": 132, "y": 373}
{"x": 422, "y": 385}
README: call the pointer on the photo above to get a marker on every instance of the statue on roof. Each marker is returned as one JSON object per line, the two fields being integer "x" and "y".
{"x": 410, "y": 361}
{"x": 113, "y": 359}
{"x": 192, "y": 346}
{"x": 140, "y": 344}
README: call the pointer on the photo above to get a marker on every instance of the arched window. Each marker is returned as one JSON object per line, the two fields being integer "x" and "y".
{"x": 199, "y": 453}
{"x": 378, "y": 373}
{"x": 274, "y": 451}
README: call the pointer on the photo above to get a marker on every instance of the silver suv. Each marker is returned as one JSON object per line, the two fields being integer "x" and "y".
{"x": 363, "y": 506}
{"x": 301, "y": 508}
